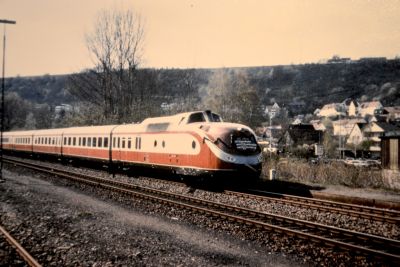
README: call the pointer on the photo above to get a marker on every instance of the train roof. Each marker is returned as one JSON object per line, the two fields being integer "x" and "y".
{"x": 101, "y": 129}
{"x": 173, "y": 119}
{"x": 147, "y": 125}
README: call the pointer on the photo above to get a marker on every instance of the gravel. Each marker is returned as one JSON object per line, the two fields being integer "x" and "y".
{"x": 388, "y": 230}
{"x": 62, "y": 227}
{"x": 276, "y": 248}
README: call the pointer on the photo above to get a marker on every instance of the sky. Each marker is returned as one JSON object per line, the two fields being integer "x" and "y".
{"x": 49, "y": 37}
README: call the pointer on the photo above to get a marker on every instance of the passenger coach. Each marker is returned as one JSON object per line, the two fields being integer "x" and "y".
{"x": 193, "y": 143}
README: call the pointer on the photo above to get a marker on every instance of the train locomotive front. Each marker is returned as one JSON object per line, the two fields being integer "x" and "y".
{"x": 233, "y": 149}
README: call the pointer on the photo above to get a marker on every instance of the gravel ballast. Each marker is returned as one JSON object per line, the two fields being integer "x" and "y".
{"x": 61, "y": 226}
{"x": 266, "y": 248}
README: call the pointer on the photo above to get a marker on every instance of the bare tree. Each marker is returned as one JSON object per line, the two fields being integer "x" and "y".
{"x": 231, "y": 95}
{"x": 115, "y": 46}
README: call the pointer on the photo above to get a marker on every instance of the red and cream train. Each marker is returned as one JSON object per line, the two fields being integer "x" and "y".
{"x": 194, "y": 144}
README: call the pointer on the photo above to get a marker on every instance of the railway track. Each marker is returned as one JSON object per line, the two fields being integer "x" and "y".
{"x": 21, "y": 251}
{"x": 359, "y": 211}
{"x": 387, "y": 250}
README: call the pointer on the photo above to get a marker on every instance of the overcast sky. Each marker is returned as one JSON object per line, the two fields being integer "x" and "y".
{"x": 49, "y": 35}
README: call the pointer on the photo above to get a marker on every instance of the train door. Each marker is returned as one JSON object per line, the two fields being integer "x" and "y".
{"x": 116, "y": 151}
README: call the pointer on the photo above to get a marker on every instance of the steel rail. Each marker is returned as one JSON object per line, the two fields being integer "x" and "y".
{"x": 21, "y": 251}
{"x": 264, "y": 220}
{"x": 358, "y": 211}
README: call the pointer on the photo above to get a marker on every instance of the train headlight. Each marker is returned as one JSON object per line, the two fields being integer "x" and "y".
{"x": 230, "y": 158}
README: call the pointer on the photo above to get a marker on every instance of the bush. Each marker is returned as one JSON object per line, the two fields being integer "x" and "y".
{"x": 333, "y": 172}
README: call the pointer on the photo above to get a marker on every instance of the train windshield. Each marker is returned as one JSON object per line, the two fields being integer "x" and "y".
{"x": 212, "y": 117}
{"x": 196, "y": 117}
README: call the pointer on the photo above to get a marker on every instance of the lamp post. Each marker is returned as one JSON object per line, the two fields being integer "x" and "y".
{"x": 3, "y": 21}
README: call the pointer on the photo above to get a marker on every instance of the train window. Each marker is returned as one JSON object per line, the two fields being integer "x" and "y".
{"x": 129, "y": 143}
{"x": 65, "y": 141}
{"x": 157, "y": 127}
{"x": 114, "y": 142}
{"x": 79, "y": 141}
{"x": 100, "y": 142}
{"x": 54, "y": 141}
{"x": 119, "y": 139}
{"x": 94, "y": 139}
{"x": 213, "y": 117}
{"x": 123, "y": 142}
{"x": 163, "y": 143}
{"x": 155, "y": 143}
{"x": 74, "y": 141}
{"x": 69, "y": 141}
{"x": 105, "y": 141}
{"x": 136, "y": 143}
{"x": 89, "y": 141}
{"x": 140, "y": 143}
{"x": 196, "y": 117}
{"x": 194, "y": 145}
{"x": 45, "y": 140}
{"x": 84, "y": 141}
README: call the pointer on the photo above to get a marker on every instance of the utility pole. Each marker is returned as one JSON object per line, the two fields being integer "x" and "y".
{"x": 270, "y": 137}
{"x": 3, "y": 21}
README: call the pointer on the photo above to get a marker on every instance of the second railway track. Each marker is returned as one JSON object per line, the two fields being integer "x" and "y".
{"x": 359, "y": 211}
{"x": 370, "y": 245}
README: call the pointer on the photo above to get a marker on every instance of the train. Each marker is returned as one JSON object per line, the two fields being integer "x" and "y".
{"x": 190, "y": 144}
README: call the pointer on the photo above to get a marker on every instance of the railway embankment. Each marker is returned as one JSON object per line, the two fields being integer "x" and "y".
{"x": 269, "y": 245}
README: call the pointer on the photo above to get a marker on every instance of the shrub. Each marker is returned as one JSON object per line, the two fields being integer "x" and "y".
{"x": 332, "y": 172}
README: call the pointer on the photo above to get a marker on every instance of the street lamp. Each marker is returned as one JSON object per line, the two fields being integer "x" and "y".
{"x": 3, "y": 21}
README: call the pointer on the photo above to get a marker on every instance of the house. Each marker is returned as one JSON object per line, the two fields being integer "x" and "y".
{"x": 390, "y": 158}
{"x": 272, "y": 111}
{"x": 374, "y": 131}
{"x": 391, "y": 113}
{"x": 332, "y": 110}
{"x": 352, "y": 109}
{"x": 345, "y": 126}
{"x": 318, "y": 125}
{"x": 356, "y": 135}
{"x": 390, "y": 150}
{"x": 298, "y": 119}
{"x": 369, "y": 108}
{"x": 61, "y": 110}
{"x": 300, "y": 135}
